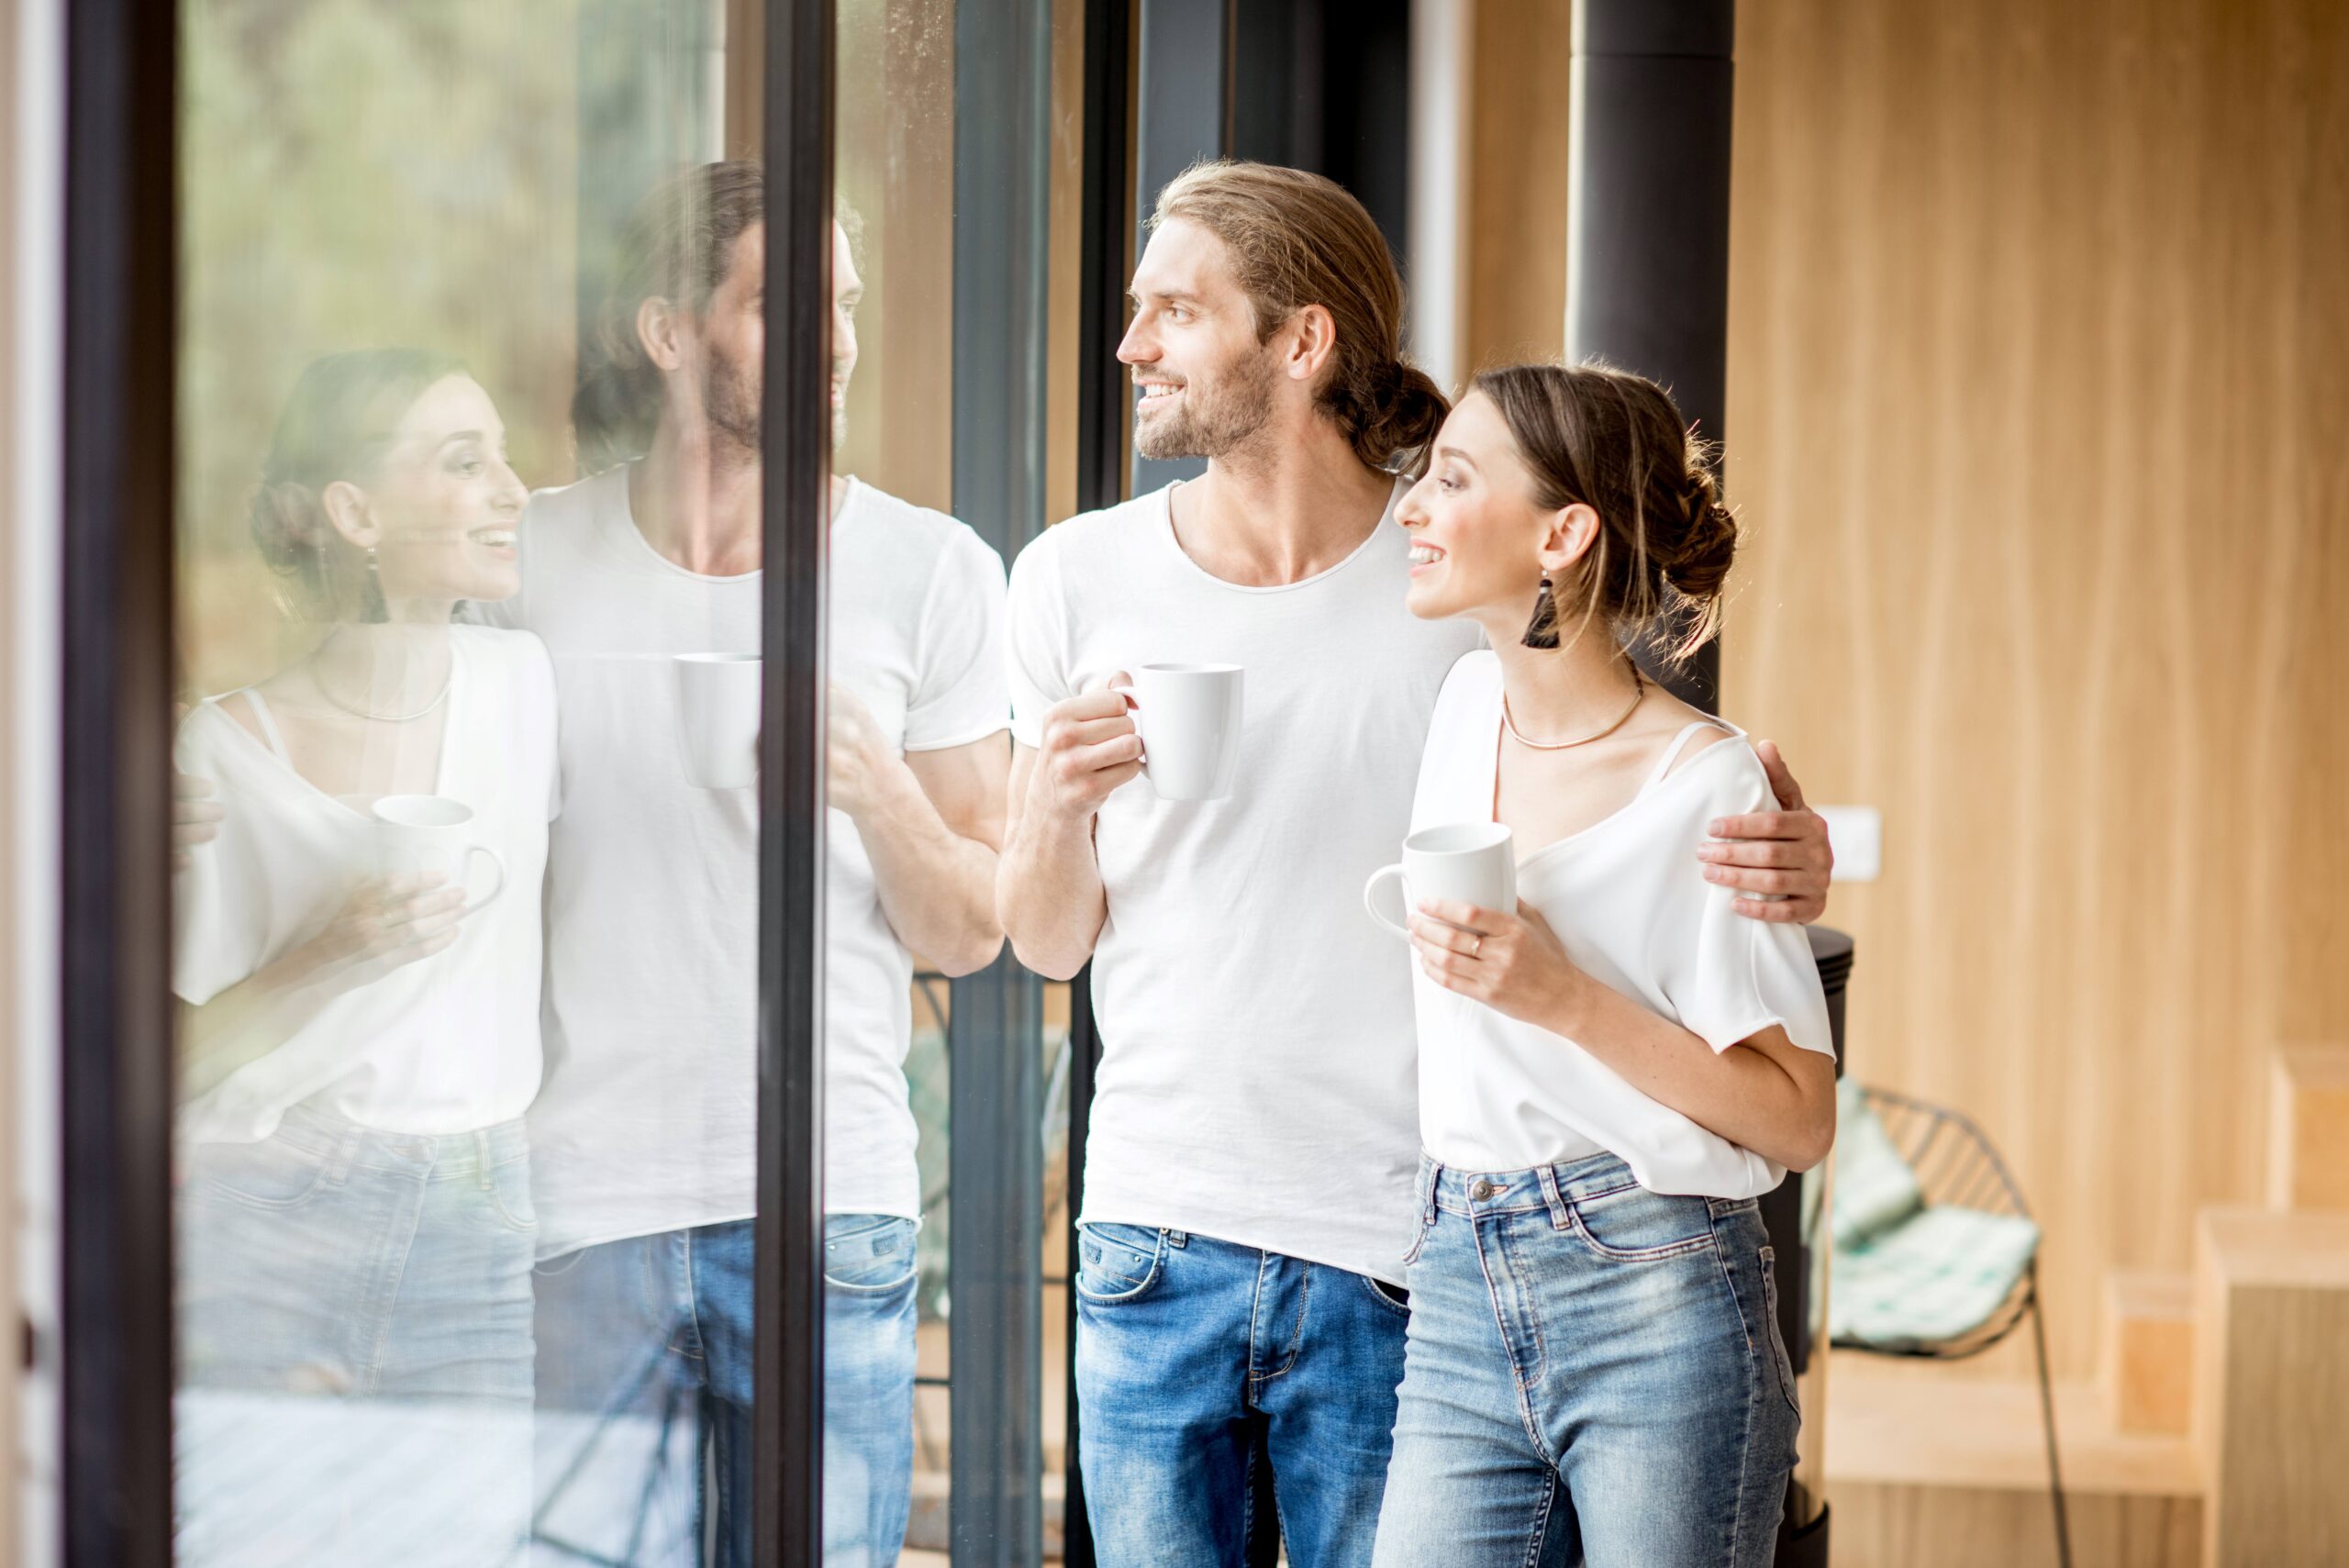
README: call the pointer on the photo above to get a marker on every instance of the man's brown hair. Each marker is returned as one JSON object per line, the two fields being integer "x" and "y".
{"x": 1297, "y": 239}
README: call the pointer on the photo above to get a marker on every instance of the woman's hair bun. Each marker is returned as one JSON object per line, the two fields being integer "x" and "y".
{"x": 1699, "y": 569}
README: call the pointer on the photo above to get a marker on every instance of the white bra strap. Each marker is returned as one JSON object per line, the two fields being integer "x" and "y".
{"x": 1679, "y": 744}
{"x": 268, "y": 722}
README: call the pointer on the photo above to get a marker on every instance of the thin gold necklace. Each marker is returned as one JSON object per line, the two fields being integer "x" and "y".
{"x": 1638, "y": 691}
{"x": 318, "y": 679}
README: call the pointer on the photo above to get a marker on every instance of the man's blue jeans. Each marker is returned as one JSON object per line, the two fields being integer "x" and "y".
{"x": 631, "y": 1329}
{"x": 1227, "y": 1393}
{"x": 1595, "y": 1376}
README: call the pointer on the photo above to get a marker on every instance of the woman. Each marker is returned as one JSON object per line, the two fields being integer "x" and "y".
{"x": 358, "y": 1044}
{"x": 1612, "y": 1073}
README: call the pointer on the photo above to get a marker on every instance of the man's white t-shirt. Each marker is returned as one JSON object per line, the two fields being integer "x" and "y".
{"x": 1628, "y": 899}
{"x": 444, "y": 1045}
{"x": 1257, "y": 1048}
{"x": 648, "y": 1118}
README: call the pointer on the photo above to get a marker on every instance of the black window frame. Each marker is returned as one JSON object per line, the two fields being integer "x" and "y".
{"x": 121, "y": 353}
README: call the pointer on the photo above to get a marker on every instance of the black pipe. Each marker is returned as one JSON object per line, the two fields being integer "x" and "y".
{"x": 1647, "y": 215}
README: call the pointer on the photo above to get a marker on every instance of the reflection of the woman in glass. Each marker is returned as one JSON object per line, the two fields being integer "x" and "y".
{"x": 360, "y": 1034}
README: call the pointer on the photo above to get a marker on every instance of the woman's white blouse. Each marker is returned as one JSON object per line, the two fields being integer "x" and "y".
{"x": 447, "y": 1044}
{"x": 1626, "y": 895}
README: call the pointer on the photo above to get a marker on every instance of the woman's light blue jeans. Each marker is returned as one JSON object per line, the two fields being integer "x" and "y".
{"x": 1594, "y": 1375}
{"x": 354, "y": 1348}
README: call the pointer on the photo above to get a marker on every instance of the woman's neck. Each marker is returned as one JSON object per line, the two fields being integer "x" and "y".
{"x": 1556, "y": 693}
{"x": 386, "y": 666}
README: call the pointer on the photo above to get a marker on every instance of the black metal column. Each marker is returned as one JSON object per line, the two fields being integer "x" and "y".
{"x": 1647, "y": 216}
{"x": 1105, "y": 263}
{"x": 796, "y": 453}
{"x": 121, "y": 380}
{"x": 1183, "y": 113}
{"x": 995, "y": 1031}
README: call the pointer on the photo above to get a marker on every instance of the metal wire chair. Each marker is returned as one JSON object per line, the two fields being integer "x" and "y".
{"x": 1956, "y": 1166}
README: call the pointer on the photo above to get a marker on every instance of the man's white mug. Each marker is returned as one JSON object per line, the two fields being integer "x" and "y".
{"x": 717, "y": 718}
{"x": 1474, "y": 863}
{"x": 1188, "y": 718}
{"x": 421, "y": 834}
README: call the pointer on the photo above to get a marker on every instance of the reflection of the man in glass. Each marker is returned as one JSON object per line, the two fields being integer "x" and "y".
{"x": 358, "y": 1045}
{"x": 649, "y": 1113}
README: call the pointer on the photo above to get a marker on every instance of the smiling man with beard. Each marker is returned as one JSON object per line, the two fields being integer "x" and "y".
{"x": 648, "y": 1120}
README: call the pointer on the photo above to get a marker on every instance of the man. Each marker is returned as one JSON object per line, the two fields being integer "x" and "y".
{"x": 1250, "y": 1168}
{"x": 643, "y": 1133}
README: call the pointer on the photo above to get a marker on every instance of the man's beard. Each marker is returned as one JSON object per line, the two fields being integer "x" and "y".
{"x": 731, "y": 399}
{"x": 1211, "y": 425}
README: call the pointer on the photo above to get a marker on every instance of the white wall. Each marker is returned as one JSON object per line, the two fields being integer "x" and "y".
{"x": 30, "y": 507}
{"x": 1442, "y": 32}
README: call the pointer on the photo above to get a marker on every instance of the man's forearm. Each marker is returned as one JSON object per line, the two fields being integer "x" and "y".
{"x": 936, "y": 887}
{"x": 1048, "y": 894}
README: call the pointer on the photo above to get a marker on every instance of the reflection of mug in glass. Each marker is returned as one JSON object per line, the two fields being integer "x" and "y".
{"x": 1474, "y": 863}
{"x": 1188, "y": 718}
{"x": 717, "y": 718}
{"x": 425, "y": 834}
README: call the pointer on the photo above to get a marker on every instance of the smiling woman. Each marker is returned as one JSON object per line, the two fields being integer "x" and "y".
{"x": 353, "y": 1074}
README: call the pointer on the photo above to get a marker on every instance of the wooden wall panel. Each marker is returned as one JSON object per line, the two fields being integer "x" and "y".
{"x": 1515, "y": 253}
{"x": 894, "y": 146}
{"x": 2037, "y": 402}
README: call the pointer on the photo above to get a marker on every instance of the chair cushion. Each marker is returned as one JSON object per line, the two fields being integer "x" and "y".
{"x": 1936, "y": 1276}
{"x": 1874, "y": 1189}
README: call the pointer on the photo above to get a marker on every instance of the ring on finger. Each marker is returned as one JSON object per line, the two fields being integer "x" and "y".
{"x": 1478, "y": 948}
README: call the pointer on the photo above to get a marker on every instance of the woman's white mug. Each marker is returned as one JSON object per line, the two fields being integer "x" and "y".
{"x": 426, "y": 834}
{"x": 1474, "y": 863}
{"x": 1189, "y": 717}
{"x": 717, "y": 718}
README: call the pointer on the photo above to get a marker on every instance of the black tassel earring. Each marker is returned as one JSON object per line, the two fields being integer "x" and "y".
{"x": 1541, "y": 631}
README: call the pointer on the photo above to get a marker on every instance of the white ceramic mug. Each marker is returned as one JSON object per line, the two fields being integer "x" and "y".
{"x": 1188, "y": 718}
{"x": 1474, "y": 863}
{"x": 418, "y": 834}
{"x": 717, "y": 718}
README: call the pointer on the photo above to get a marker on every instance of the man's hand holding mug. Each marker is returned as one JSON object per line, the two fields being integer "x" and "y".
{"x": 1091, "y": 748}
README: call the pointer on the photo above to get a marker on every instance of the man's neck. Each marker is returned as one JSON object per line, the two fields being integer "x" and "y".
{"x": 695, "y": 499}
{"x": 1293, "y": 504}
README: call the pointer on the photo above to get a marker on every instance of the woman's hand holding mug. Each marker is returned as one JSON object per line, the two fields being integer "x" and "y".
{"x": 1514, "y": 963}
{"x": 388, "y": 923}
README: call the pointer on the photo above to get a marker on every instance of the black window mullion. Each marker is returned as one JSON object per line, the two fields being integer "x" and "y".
{"x": 796, "y": 438}
{"x": 120, "y": 359}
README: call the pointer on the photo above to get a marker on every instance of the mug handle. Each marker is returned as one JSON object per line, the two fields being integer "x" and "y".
{"x": 1133, "y": 709}
{"x": 1370, "y": 899}
{"x": 499, "y": 887}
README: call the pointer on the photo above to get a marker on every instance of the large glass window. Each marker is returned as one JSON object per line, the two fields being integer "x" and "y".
{"x": 476, "y": 653}
{"x": 470, "y": 536}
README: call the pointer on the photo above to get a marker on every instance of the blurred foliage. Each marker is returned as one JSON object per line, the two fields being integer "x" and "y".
{"x": 353, "y": 174}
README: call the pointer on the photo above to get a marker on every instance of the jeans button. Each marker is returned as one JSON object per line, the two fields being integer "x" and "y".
{"x": 1481, "y": 1190}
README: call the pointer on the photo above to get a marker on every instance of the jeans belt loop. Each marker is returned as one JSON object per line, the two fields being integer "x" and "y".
{"x": 345, "y": 1155}
{"x": 1434, "y": 1182}
{"x": 1561, "y": 1212}
{"x": 481, "y": 1160}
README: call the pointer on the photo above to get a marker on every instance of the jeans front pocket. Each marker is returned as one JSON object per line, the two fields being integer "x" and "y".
{"x": 1393, "y": 1297}
{"x": 272, "y": 1174}
{"x": 868, "y": 1253}
{"x": 1118, "y": 1262}
{"x": 509, "y": 1192}
{"x": 1631, "y": 1224}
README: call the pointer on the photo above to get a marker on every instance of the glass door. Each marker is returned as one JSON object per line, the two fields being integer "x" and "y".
{"x": 543, "y": 1085}
{"x": 444, "y": 566}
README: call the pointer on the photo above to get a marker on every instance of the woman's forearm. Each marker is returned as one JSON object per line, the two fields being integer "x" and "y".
{"x": 1745, "y": 1094}
{"x": 247, "y": 1022}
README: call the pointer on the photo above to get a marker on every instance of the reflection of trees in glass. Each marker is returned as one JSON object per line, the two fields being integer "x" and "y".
{"x": 358, "y": 172}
